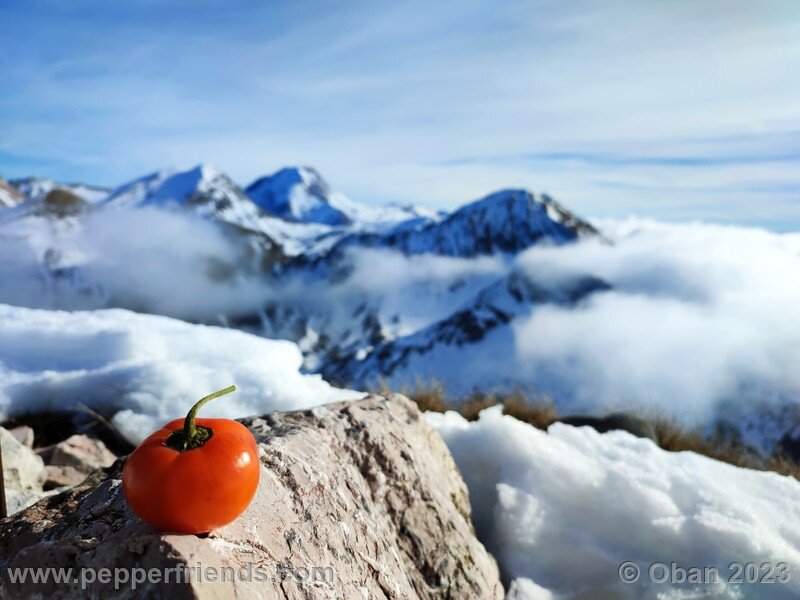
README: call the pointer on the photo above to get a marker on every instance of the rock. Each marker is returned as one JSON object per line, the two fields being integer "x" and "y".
{"x": 17, "y": 501}
{"x": 24, "y": 435}
{"x": 615, "y": 421}
{"x": 22, "y": 469}
{"x": 81, "y": 452}
{"x": 58, "y": 476}
{"x": 356, "y": 500}
{"x": 23, "y": 473}
{"x": 789, "y": 445}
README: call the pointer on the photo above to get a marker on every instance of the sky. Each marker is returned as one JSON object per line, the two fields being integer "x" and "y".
{"x": 676, "y": 110}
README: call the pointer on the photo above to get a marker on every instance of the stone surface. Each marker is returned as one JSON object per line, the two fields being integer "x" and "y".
{"x": 357, "y": 500}
{"x": 24, "y": 435}
{"x": 81, "y": 452}
{"x": 22, "y": 469}
{"x": 23, "y": 473}
{"x": 58, "y": 476}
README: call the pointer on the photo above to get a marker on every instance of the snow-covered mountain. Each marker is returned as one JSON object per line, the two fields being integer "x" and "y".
{"x": 301, "y": 194}
{"x": 313, "y": 254}
{"x": 462, "y": 349}
{"x": 510, "y": 290}
{"x": 36, "y": 188}
{"x": 204, "y": 189}
{"x": 294, "y": 209}
{"x": 211, "y": 194}
{"x": 361, "y": 289}
{"x": 506, "y": 222}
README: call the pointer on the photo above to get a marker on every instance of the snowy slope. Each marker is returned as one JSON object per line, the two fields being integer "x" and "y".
{"x": 561, "y": 511}
{"x": 149, "y": 368}
{"x": 207, "y": 192}
{"x": 378, "y": 295}
{"x": 301, "y": 194}
{"x": 508, "y": 222}
{"x": 36, "y": 188}
{"x": 472, "y": 348}
{"x": 204, "y": 189}
{"x": 9, "y": 195}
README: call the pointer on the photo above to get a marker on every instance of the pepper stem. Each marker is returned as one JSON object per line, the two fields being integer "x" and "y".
{"x": 192, "y": 436}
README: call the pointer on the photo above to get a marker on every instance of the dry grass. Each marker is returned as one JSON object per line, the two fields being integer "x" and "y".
{"x": 671, "y": 435}
{"x": 539, "y": 413}
{"x": 674, "y": 437}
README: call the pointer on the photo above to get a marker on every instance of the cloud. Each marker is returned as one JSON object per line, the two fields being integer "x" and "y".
{"x": 387, "y": 100}
{"x": 148, "y": 260}
{"x": 698, "y": 314}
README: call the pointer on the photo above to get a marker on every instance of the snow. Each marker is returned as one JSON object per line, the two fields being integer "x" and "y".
{"x": 506, "y": 222}
{"x": 561, "y": 511}
{"x": 207, "y": 190}
{"x": 9, "y": 195}
{"x": 209, "y": 193}
{"x": 147, "y": 369}
{"x": 301, "y": 194}
{"x": 36, "y": 188}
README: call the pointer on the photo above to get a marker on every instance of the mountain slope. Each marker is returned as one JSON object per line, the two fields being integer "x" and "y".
{"x": 9, "y": 195}
{"x": 36, "y": 188}
{"x": 505, "y": 222}
{"x": 211, "y": 194}
{"x": 301, "y": 194}
{"x": 203, "y": 189}
{"x": 462, "y": 350}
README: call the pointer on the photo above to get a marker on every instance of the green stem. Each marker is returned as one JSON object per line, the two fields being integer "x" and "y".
{"x": 192, "y": 435}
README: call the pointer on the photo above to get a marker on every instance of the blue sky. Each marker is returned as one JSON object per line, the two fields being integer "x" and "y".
{"x": 674, "y": 110}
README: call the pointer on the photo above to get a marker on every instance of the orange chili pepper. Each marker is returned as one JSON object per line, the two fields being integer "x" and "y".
{"x": 193, "y": 475}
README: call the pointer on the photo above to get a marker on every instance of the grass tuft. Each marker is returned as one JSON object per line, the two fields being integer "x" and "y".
{"x": 671, "y": 434}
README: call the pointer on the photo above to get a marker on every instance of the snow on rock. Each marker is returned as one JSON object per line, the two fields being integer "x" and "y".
{"x": 9, "y": 195}
{"x": 561, "y": 511}
{"x": 302, "y": 194}
{"x": 471, "y": 348}
{"x": 299, "y": 194}
{"x": 203, "y": 188}
{"x": 37, "y": 188}
{"x": 209, "y": 193}
{"x": 148, "y": 368}
{"x": 507, "y": 221}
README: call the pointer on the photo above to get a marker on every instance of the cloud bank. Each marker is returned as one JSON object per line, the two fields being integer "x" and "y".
{"x": 147, "y": 260}
{"x": 697, "y": 314}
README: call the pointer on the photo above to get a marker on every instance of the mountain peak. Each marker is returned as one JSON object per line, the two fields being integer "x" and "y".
{"x": 508, "y": 222}
{"x": 300, "y": 194}
{"x": 524, "y": 207}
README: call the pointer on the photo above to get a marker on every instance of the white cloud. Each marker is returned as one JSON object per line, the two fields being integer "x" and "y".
{"x": 144, "y": 259}
{"x": 697, "y": 314}
{"x": 384, "y": 99}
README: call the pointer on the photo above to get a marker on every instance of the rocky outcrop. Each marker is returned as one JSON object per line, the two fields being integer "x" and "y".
{"x": 357, "y": 500}
{"x": 24, "y": 435}
{"x": 81, "y": 452}
{"x": 68, "y": 462}
{"x": 23, "y": 473}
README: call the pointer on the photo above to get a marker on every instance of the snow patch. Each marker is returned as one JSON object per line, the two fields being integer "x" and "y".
{"x": 149, "y": 369}
{"x": 565, "y": 509}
